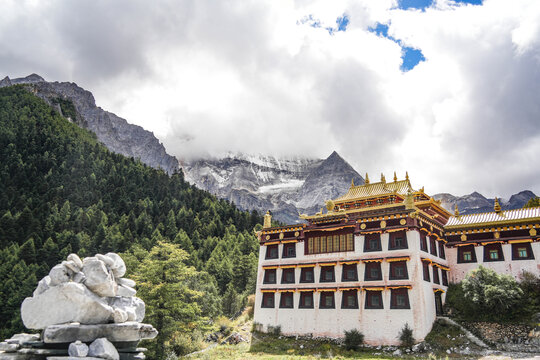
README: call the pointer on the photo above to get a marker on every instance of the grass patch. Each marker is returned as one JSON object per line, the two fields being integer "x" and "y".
{"x": 444, "y": 336}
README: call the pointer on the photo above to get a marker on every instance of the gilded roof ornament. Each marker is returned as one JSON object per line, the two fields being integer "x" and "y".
{"x": 267, "y": 220}
{"x": 409, "y": 200}
{"x": 329, "y": 205}
{"x": 366, "y": 181}
{"x": 383, "y": 179}
{"x": 395, "y": 177}
{"x": 456, "y": 211}
{"x": 497, "y": 206}
{"x": 407, "y": 175}
{"x": 352, "y": 182}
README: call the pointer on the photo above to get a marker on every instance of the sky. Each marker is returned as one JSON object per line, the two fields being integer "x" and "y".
{"x": 446, "y": 90}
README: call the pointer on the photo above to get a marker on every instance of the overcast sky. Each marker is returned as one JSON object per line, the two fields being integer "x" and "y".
{"x": 448, "y": 91}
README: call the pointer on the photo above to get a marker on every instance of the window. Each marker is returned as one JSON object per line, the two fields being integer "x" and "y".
{"x": 466, "y": 254}
{"x": 372, "y": 242}
{"x": 331, "y": 243}
{"x": 306, "y": 300}
{"x": 522, "y": 251}
{"x": 287, "y": 276}
{"x": 307, "y": 275}
{"x": 436, "y": 275}
{"x": 327, "y": 300}
{"x": 374, "y": 300}
{"x": 350, "y": 242}
{"x": 399, "y": 299}
{"x": 350, "y": 273}
{"x": 493, "y": 252}
{"x": 373, "y": 271}
{"x": 432, "y": 246}
{"x": 442, "y": 255}
{"x": 444, "y": 274}
{"x": 398, "y": 270}
{"x": 423, "y": 241}
{"x": 286, "y": 300}
{"x": 272, "y": 251}
{"x": 289, "y": 250}
{"x": 349, "y": 299}
{"x": 425, "y": 268}
{"x": 268, "y": 300}
{"x": 269, "y": 276}
{"x": 398, "y": 240}
{"x": 327, "y": 274}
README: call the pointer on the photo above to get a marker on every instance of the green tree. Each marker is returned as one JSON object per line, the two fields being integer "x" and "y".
{"x": 533, "y": 202}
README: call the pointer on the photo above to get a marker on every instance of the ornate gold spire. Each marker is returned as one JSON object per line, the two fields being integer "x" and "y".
{"x": 456, "y": 211}
{"x": 352, "y": 182}
{"x": 383, "y": 179}
{"x": 406, "y": 175}
{"x": 395, "y": 177}
{"x": 267, "y": 220}
{"x": 497, "y": 206}
{"x": 366, "y": 181}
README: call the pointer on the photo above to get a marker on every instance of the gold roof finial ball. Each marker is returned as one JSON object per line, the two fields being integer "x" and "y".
{"x": 395, "y": 177}
{"x": 329, "y": 205}
{"x": 366, "y": 181}
{"x": 497, "y": 206}
{"x": 383, "y": 179}
{"x": 456, "y": 211}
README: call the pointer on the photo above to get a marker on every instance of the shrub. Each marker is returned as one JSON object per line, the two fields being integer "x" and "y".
{"x": 225, "y": 325}
{"x": 274, "y": 330}
{"x": 353, "y": 339}
{"x": 406, "y": 336}
{"x": 256, "y": 327}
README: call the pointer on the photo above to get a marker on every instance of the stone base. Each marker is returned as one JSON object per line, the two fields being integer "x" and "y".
{"x": 124, "y": 332}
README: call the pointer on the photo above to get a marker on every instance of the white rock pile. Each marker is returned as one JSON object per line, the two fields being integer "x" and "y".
{"x": 86, "y": 309}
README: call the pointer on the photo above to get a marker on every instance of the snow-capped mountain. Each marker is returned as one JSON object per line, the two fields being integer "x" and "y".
{"x": 286, "y": 186}
{"x": 478, "y": 203}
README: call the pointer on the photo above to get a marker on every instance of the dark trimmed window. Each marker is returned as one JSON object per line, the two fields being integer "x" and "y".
{"x": 466, "y": 254}
{"x": 423, "y": 241}
{"x": 493, "y": 252}
{"x": 272, "y": 251}
{"x": 398, "y": 240}
{"x": 289, "y": 250}
{"x": 306, "y": 300}
{"x": 398, "y": 270}
{"x": 374, "y": 300}
{"x": 425, "y": 269}
{"x": 442, "y": 254}
{"x": 432, "y": 246}
{"x": 287, "y": 276}
{"x": 399, "y": 299}
{"x": 349, "y": 299}
{"x": 444, "y": 275}
{"x": 307, "y": 275}
{"x": 286, "y": 300}
{"x": 349, "y": 272}
{"x": 522, "y": 251}
{"x": 327, "y": 274}
{"x": 330, "y": 243}
{"x": 327, "y": 300}
{"x": 436, "y": 275}
{"x": 373, "y": 271}
{"x": 372, "y": 242}
{"x": 269, "y": 276}
{"x": 268, "y": 300}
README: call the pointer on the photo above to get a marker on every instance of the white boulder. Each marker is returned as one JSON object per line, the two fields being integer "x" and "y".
{"x": 120, "y": 316}
{"x": 119, "y": 266}
{"x": 43, "y": 285}
{"x": 125, "y": 282}
{"x": 64, "y": 303}
{"x": 98, "y": 278}
{"x": 58, "y": 275}
{"x": 131, "y": 305}
{"x": 78, "y": 349}
{"x": 126, "y": 291}
{"x": 76, "y": 259}
{"x": 102, "y": 348}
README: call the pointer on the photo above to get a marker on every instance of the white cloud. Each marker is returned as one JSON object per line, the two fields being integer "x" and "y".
{"x": 211, "y": 77}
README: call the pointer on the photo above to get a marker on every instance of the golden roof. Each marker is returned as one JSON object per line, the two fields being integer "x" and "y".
{"x": 500, "y": 217}
{"x": 368, "y": 190}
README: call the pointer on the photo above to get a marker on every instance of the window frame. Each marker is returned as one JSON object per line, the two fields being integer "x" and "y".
{"x": 393, "y": 267}
{"x": 528, "y": 248}
{"x": 324, "y": 271}
{"x": 462, "y": 250}
{"x": 367, "y": 273}
{"x": 423, "y": 242}
{"x": 367, "y": 242}
{"x": 322, "y": 299}
{"x": 286, "y": 247}
{"x": 266, "y": 296}
{"x": 396, "y": 235}
{"x": 303, "y": 272}
{"x": 302, "y": 300}
{"x": 282, "y": 300}
{"x": 425, "y": 271}
{"x": 436, "y": 277}
{"x": 269, "y": 249}
{"x": 489, "y": 248}
{"x": 344, "y": 269}
{"x": 267, "y": 272}
{"x": 442, "y": 251}
{"x": 394, "y": 296}
{"x": 344, "y": 299}
{"x": 284, "y": 273}
{"x": 444, "y": 277}
{"x": 370, "y": 295}
{"x": 433, "y": 246}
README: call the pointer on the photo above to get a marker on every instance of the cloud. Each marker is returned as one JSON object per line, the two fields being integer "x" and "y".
{"x": 256, "y": 76}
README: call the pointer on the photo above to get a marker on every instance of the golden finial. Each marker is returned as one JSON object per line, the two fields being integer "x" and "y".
{"x": 395, "y": 177}
{"x": 383, "y": 179}
{"x": 422, "y": 189}
{"x": 406, "y": 175}
{"x": 352, "y": 182}
{"x": 456, "y": 211}
{"x": 267, "y": 220}
{"x": 497, "y": 206}
{"x": 366, "y": 181}
{"x": 409, "y": 200}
